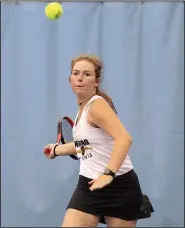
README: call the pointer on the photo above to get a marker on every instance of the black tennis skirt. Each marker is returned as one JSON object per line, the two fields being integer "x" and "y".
{"x": 122, "y": 198}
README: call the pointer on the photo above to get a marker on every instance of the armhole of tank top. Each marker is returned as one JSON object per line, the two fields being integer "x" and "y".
{"x": 87, "y": 110}
{"x": 75, "y": 119}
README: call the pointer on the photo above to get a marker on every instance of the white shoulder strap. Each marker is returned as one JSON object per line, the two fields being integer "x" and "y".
{"x": 88, "y": 105}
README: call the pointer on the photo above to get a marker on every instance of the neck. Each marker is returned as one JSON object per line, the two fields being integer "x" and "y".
{"x": 86, "y": 99}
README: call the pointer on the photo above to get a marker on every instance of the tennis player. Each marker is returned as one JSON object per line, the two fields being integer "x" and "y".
{"x": 108, "y": 190}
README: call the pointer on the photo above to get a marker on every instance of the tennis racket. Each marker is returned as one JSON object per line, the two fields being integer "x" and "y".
{"x": 64, "y": 133}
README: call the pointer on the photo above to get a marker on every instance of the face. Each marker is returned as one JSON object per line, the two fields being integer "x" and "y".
{"x": 83, "y": 79}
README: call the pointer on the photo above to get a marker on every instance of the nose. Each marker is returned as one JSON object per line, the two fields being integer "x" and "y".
{"x": 80, "y": 77}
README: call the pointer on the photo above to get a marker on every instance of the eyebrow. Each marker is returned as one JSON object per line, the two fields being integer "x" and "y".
{"x": 84, "y": 71}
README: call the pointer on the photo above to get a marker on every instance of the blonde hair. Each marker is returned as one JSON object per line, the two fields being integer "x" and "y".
{"x": 98, "y": 65}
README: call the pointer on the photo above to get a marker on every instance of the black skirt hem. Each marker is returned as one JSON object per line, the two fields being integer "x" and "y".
{"x": 102, "y": 217}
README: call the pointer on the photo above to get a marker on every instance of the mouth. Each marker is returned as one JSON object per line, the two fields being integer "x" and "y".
{"x": 79, "y": 86}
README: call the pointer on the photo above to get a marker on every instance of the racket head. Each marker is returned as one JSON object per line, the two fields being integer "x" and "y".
{"x": 47, "y": 151}
{"x": 65, "y": 132}
{"x": 59, "y": 131}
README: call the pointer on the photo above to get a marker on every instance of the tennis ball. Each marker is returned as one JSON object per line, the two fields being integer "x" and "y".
{"x": 53, "y": 10}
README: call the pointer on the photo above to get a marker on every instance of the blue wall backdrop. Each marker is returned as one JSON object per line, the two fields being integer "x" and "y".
{"x": 142, "y": 45}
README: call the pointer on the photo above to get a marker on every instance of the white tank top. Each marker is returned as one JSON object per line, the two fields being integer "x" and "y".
{"x": 94, "y": 147}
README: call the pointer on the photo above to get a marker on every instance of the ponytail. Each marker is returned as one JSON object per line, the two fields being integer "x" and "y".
{"x": 107, "y": 98}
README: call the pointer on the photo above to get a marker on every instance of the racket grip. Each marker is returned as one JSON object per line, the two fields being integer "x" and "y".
{"x": 47, "y": 151}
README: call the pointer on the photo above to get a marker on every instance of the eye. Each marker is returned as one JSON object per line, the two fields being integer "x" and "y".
{"x": 87, "y": 74}
{"x": 75, "y": 73}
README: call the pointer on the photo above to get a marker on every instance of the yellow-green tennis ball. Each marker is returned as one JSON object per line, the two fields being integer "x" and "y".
{"x": 54, "y": 10}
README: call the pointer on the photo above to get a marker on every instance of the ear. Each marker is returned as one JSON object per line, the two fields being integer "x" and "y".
{"x": 97, "y": 82}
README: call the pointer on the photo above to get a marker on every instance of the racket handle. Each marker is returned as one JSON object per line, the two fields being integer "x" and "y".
{"x": 74, "y": 157}
{"x": 47, "y": 151}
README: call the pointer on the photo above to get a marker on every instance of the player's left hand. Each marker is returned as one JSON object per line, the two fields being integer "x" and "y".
{"x": 100, "y": 182}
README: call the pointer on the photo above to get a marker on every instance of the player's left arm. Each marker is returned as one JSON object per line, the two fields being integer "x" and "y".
{"x": 103, "y": 116}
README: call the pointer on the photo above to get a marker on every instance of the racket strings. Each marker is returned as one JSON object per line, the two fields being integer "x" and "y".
{"x": 67, "y": 131}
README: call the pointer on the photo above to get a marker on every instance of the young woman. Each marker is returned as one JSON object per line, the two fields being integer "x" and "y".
{"x": 108, "y": 189}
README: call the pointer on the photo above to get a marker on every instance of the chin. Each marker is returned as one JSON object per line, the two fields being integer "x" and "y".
{"x": 79, "y": 93}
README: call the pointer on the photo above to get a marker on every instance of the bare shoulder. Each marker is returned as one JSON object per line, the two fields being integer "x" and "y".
{"x": 103, "y": 116}
{"x": 100, "y": 107}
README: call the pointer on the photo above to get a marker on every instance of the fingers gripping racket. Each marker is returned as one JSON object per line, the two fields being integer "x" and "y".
{"x": 65, "y": 132}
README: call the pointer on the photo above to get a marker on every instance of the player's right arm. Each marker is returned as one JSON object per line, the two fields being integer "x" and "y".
{"x": 61, "y": 150}
{"x": 66, "y": 149}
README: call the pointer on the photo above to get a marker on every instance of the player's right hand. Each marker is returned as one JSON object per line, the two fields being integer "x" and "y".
{"x": 49, "y": 151}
